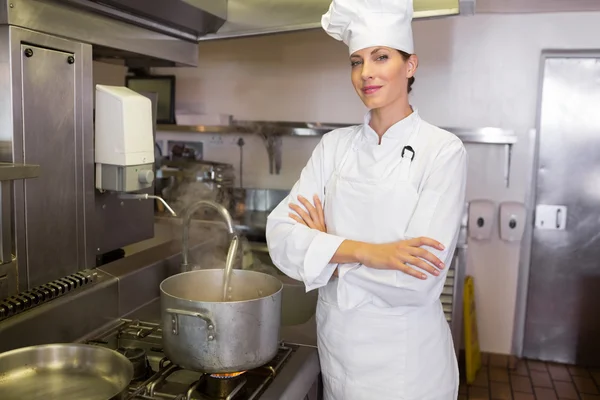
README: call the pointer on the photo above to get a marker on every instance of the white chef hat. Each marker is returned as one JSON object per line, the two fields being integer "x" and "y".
{"x": 367, "y": 23}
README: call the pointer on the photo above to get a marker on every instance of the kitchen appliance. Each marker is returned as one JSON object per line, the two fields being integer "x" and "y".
{"x": 124, "y": 143}
{"x": 288, "y": 375}
{"x": 65, "y": 372}
{"x": 201, "y": 332}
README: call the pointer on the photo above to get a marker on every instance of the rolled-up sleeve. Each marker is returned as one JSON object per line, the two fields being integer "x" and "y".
{"x": 437, "y": 215}
{"x": 300, "y": 252}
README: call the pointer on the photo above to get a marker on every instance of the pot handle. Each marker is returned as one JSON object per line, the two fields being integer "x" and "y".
{"x": 210, "y": 325}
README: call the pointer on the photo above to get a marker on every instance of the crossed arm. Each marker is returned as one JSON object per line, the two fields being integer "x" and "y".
{"x": 398, "y": 255}
{"x": 385, "y": 274}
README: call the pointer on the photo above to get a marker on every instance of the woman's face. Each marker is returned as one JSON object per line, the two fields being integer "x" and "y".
{"x": 380, "y": 75}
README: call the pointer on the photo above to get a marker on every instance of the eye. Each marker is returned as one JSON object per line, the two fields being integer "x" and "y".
{"x": 354, "y": 63}
{"x": 382, "y": 57}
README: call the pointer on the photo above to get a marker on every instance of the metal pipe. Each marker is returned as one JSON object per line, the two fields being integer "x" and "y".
{"x": 145, "y": 196}
{"x": 187, "y": 216}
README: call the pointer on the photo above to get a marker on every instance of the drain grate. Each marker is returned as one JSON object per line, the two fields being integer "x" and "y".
{"x": 24, "y": 301}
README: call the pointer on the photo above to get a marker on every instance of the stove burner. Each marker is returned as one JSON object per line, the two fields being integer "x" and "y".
{"x": 157, "y": 378}
{"x": 139, "y": 359}
{"x": 227, "y": 376}
{"x": 224, "y": 386}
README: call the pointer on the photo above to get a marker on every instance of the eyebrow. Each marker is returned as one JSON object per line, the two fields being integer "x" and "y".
{"x": 372, "y": 52}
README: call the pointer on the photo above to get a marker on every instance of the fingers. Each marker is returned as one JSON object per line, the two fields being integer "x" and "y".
{"x": 410, "y": 271}
{"x": 312, "y": 211}
{"x": 304, "y": 215}
{"x": 311, "y": 216}
{"x": 425, "y": 266}
{"x": 425, "y": 241}
{"x": 319, "y": 208}
{"x": 424, "y": 254}
{"x": 297, "y": 219}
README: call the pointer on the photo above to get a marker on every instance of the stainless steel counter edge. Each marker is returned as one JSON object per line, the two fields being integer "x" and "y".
{"x": 139, "y": 275}
{"x": 122, "y": 286}
{"x": 64, "y": 319}
{"x": 299, "y": 373}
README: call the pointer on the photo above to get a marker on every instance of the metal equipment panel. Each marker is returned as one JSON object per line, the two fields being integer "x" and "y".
{"x": 46, "y": 104}
{"x": 50, "y": 140}
{"x": 122, "y": 222}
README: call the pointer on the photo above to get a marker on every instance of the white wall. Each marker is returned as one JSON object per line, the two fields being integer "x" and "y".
{"x": 474, "y": 72}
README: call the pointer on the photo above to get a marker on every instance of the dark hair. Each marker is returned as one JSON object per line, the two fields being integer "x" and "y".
{"x": 411, "y": 80}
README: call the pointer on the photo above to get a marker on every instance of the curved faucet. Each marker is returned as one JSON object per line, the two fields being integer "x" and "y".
{"x": 187, "y": 216}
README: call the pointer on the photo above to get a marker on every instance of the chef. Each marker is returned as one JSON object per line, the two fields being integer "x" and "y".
{"x": 373, "y": 220}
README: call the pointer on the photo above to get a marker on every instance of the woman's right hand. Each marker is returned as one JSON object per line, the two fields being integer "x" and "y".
{"x": 397, "y": 256}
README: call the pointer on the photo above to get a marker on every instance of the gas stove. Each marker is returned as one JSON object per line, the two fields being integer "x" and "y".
{"x": 155, "y": 377}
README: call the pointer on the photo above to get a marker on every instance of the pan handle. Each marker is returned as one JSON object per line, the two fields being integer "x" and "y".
{"x": 210, "y": 325}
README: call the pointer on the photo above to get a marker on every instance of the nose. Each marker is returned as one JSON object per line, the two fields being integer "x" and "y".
{"x": 366, "y": 73}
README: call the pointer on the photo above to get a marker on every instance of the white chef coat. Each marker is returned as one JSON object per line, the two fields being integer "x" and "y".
{"x": 381, "y": 333}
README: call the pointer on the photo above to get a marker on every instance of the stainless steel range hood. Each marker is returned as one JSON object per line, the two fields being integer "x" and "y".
{"x": 262, "y": 17}
{"x": 165, "y": 33}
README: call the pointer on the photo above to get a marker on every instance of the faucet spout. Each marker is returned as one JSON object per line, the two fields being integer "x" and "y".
{"x": 145, "y": 196}
{"x": 186, "y": 218}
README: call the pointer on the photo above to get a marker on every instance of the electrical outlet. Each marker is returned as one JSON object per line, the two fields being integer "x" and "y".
{"x": 216, "y": 139}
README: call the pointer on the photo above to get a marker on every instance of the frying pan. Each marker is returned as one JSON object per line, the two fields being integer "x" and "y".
{"x": 69, "y": 371}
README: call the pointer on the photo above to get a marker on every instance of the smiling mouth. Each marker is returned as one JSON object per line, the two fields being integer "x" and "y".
{"x": 370, "y": 89}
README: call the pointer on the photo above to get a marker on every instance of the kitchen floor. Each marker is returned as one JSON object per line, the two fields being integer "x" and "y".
{"x": 507, "y": 378}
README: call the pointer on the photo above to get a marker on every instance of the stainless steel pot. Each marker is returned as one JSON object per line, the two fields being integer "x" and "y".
{"x": 65, "y": 372}
{"x": 205, "y": 334}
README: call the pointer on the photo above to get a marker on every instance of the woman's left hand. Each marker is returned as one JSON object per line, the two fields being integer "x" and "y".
{"x": 311, "y": 215}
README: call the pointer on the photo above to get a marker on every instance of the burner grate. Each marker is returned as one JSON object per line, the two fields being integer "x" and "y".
{"x": 169, "y": 381}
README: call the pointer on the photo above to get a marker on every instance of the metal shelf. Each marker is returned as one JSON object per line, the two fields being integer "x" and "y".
{"x": 481, "y": 135}
{"x": 11, "y": 172}
{"x": 487, "y": 136}
{"x": 250, "y": 127}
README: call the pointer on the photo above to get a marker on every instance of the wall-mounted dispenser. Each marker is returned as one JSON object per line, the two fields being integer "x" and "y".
{"x": 481, "y": 219}
{"x": 512, "y": 221}
{"x": 124, "y": 143}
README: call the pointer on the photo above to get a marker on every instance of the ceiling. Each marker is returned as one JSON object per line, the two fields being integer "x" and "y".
{"x": 255, "y": 17}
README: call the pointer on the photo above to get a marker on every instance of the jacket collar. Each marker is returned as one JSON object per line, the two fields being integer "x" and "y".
{"x": 401, "y": 130}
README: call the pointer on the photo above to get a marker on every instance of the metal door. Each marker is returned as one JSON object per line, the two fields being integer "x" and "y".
{"x": 562, "y": 318}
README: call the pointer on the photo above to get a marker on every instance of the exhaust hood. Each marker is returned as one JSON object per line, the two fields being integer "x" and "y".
{"x": 262, "y": 17}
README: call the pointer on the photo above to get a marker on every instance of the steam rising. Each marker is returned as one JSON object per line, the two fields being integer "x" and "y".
{"x": 205, "y": 226}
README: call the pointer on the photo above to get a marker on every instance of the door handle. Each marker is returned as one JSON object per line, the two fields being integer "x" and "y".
{"x": 557, "y": 218}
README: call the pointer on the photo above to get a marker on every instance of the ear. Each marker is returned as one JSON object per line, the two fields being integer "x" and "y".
{"x": 411, "y": 65}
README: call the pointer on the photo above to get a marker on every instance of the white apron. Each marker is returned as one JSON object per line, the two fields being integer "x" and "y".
{"x": 370, "y": 352}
